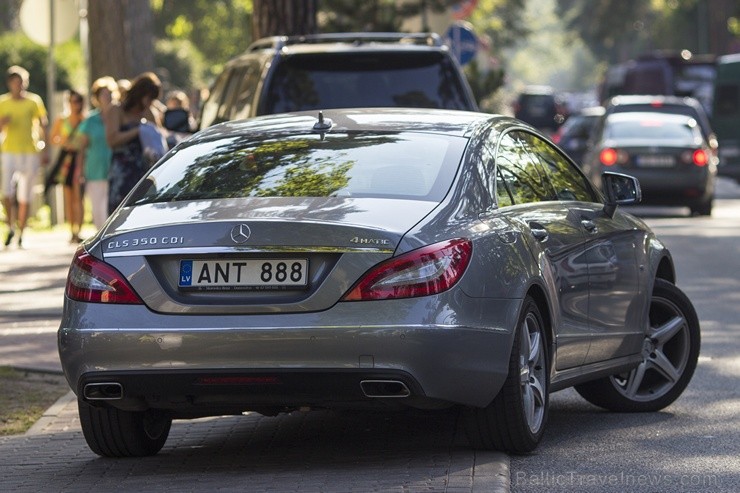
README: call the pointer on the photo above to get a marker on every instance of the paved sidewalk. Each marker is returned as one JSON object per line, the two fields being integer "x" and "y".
{"x": 31, "y": 296}
{"x": 316, "y": 451}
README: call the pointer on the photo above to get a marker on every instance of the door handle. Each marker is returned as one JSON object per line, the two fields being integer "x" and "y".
{"x": 539, "y": 233}
{"x": 589, "y": 225}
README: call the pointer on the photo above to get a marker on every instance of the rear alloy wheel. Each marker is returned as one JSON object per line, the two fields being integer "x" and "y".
{"x": 670, "y": 353}
{"x": 515, "y": 420}
{"x": 111, "y": 432}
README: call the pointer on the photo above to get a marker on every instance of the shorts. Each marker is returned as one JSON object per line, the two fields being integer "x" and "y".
{"x": 20, "y": 169}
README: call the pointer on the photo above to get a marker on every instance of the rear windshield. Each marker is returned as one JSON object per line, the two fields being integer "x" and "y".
{"x": 398, "y": 165}
{"x": 673, "y": 109}
{"x": 338, "y": 80}
{"x": 651, "y": 130}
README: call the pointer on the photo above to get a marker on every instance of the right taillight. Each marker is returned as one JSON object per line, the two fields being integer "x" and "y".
{"x": 422, "y": 272}
{"x": 93, "y": 281}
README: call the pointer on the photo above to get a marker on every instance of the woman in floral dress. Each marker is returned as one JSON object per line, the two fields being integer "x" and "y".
{"x": 128, "y": 163}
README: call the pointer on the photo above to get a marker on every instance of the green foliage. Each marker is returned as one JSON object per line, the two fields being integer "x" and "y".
{"x": 484, "y": 84}
{"x": 182, "y": 63}
{"x": 501, "y": 20}
{"x": 17, "y": 49}
{"x": 372, "y": 15}
{"x": 602, "y": 24}
{"x": 220, "y": 29}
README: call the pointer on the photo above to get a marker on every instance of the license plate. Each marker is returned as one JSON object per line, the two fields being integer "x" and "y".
{"x": 656, "y": 161}
{"x": 240, "y": 274}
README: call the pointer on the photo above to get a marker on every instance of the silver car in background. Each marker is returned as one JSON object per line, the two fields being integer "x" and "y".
{"x": 370, "y": 257}
{"x": 666, "y": 152}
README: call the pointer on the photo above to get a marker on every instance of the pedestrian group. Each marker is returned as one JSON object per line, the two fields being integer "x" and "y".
{"x": 101, "y": 155}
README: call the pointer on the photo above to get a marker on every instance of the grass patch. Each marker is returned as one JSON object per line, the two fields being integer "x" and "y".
{"x": 24, "y": 396}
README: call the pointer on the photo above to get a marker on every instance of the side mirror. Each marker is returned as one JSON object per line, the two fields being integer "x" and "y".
{"x": 620, "y": 190}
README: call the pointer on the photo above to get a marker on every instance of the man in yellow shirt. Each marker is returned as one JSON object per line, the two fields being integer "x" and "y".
{"x": 22, "y": 123}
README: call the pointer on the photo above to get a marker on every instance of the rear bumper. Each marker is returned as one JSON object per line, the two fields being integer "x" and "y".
{"x": 683, "y": 188}
{"x": 274, "y": 361}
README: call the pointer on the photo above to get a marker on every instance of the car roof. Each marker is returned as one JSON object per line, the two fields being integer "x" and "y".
{"x": 537, "y": 90}
{"x": 647, "y": 99}
{"x": 641, "y": 116}
{"x": 318, "y": 43}
{"x": 450, "y": 122}
{"x": 590, "y": 111}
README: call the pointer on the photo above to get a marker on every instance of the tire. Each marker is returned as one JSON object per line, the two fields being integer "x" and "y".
{"x": 670, "y": 353}
{"x": 703, "y": 209}
{"x": 515, "y": 420}
{"x": 111, "y": 432}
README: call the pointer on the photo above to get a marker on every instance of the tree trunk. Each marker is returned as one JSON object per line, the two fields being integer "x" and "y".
{"x": 283, "y": 17}
{"x": 139, "y": 28}
{"x": 9, "y": 15}
{"x": 120, "y": 40}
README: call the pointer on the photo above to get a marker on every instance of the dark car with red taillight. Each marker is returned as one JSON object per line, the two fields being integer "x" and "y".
{"x": 667, "y": 153}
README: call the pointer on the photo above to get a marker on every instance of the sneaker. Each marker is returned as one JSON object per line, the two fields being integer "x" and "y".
{"x": 20, "y": 242}
{"x": 9, "y": 237}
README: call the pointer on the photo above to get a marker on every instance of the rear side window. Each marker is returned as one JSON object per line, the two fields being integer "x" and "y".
{"x": 355, "y": 80}
{"x": 396, "y": 165}
{"x": 568, "y": 182}
{"x": 210, "y": 111}
{"x": 244, "y": 97}
{"x": 521, "y": 171}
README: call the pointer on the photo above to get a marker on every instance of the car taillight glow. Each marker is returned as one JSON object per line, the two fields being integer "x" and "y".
{"x": 93, "y": 281}
{"x": 429, "y": 270}
{"x": 700, "y": 157}
{"x": 608, "y": 156}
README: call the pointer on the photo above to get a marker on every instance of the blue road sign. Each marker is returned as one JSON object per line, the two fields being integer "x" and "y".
{"x": 463, "y": 41}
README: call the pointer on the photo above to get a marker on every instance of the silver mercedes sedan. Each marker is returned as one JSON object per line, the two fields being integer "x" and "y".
{"x": 370, "y": 257}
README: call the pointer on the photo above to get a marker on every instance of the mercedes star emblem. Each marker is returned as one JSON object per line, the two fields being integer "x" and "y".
{"x": 240, "y": 234}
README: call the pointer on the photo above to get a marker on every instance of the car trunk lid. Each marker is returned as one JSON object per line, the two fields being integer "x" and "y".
{"x": 255, "y": 255}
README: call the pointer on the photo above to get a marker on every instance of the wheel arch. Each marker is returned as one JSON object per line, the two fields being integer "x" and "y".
{"x": 540, "y": 298}
{"x": 666, "y": 270}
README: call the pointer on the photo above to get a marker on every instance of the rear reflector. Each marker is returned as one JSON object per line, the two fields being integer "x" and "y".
{"x": 237, "y": 381}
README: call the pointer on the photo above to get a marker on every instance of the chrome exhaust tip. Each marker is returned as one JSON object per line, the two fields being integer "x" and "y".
{"x": 105, "y": 391}
{"x": 384, "y": 388}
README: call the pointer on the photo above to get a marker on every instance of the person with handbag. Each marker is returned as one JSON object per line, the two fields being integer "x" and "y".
{"x": 123, "y": 124}
{"x": 66, "y": 172}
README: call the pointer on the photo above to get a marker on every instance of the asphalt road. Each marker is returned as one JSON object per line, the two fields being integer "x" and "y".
{"x": 694, "y": 444}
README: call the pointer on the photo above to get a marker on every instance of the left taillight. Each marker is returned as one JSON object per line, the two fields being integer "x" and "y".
{"x": 426, "y": 271}
{"x": 94, "y": 281}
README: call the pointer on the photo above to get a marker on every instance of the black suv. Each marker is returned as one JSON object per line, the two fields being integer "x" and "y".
{"x": 346, "y": 70}
{"x": 541, "y": 107}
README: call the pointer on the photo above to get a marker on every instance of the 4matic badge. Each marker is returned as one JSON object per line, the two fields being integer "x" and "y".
{"x": 370, "y": 241}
